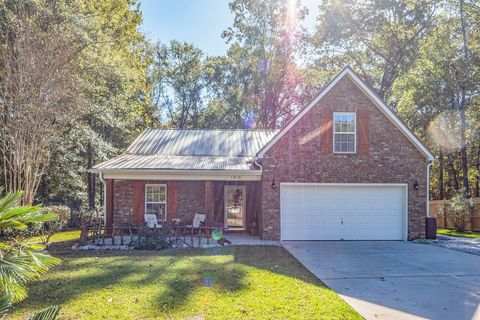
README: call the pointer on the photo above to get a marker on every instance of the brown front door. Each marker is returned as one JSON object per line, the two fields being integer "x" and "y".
{"x": 235, "y": 207}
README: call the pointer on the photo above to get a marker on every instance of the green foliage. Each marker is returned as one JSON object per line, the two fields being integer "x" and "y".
{"x": 49, "y": 313}
{"x": 111, "y": 58}
{"x": 13, "y": 216}
{"x": 459, "y": 211}
{"x": 46, "y": 229}
{"x": 154, "y": 239}
{"x": 20, "y": 262}
{"x": 179, "y": 83}
{"x": 378, "y": 37}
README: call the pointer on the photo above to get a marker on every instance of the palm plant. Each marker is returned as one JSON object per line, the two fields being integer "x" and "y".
{"x": 21, "y": 261}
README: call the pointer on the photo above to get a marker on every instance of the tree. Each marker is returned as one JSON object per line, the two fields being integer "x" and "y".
{"x": 265, "y": 39}
{"x": 116, "y": 102}
{"x": 179, "y": 83}
{"x": 39, "y": 93}
{"x": 20, "y": 261}
{"x": 380, "y": 38}
{"x": 436, "y": 94}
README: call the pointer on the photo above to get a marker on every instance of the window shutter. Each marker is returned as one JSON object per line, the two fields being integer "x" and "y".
{"x": 326, "y": 131}
{"x": 138, "y": 201}
{"x": 172, "y": 200}
{"x": 363, "y": 131}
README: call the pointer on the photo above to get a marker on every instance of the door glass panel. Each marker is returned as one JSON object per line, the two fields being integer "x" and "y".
{"x": 234, "y": 207}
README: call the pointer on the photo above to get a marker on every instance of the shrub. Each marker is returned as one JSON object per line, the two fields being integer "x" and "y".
{"x": 46, "y": 229}
{"x": 153, "y": 239}
{"x": 460, "y": 211}
{"x": 85, "y": 216}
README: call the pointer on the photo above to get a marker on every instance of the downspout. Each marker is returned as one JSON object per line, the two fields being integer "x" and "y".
{"x": 102, "y": 180}
{"x": 259, "y": 222}
{"x": 258, "y": 165}
{"x": 428, "y": 187}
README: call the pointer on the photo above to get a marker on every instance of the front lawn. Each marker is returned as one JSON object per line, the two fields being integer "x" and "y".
{"x": 217, "y": 283}
{"x": 60, "y": 236}
{"x": 453, "y": 233}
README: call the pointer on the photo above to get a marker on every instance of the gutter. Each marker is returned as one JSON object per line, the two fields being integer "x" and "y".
{"x": 258, "y": 165}
{"x": 180, "y": 172}
{"x": 429, "y": 164}
{"x": 102, "y": 180}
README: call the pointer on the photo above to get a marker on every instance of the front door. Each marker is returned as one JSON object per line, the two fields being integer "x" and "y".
{"x": 235, "y": 207}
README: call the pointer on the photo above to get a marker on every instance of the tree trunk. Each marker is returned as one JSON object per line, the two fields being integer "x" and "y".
{"x": 452, "y": 173}
{"x": 464, "y": 85}
{"x": 464, "y": 152}
{"x": 441, "y": 194}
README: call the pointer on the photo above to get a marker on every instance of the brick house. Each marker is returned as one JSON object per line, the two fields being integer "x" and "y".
{"x": 344, "y": 168}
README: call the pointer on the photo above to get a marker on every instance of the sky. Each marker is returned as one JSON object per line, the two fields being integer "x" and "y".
{"x": 200, "y": 22}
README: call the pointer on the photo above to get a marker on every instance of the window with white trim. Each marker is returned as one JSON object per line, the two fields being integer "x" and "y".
{"x": 156, "y": 200}
{"x": 344, "y": 132}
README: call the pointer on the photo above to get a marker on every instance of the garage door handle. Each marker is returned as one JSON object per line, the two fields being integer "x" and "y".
{"x": 341, "y": 221}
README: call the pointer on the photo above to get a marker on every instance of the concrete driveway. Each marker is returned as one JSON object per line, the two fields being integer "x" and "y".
{"x": 396, "y": 280}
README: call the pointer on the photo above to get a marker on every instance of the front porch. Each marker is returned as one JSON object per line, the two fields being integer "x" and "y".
{"x": 233, "y": 206}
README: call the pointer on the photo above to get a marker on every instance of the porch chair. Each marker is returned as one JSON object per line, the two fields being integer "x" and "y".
{"x": 151, "y": 220}
{"x": 202, "y": 230}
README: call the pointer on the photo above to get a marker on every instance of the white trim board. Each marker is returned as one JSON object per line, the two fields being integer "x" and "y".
{"x": 182, "y": 175}
{"x": 347, "y": 71}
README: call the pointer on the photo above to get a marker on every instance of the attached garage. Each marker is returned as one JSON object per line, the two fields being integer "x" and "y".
{"x": 314, "y": 211}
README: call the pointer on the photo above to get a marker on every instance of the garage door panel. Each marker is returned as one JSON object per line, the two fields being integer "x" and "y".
{"x": 348, "y": 212}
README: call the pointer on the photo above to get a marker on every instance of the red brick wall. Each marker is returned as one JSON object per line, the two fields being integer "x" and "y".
{"x": 391, "y": 159}
{"x": 122, "y": 201}
{"x": 191, "y": 199}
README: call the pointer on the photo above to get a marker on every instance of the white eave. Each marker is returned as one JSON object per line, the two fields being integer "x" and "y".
{"x": 220, "y": 175}
{"x": 370, "y": 94}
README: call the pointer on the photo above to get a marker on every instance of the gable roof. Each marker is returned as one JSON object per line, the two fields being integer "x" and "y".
{"x": 371, "y": 94}
{"x": 185, "y": 149}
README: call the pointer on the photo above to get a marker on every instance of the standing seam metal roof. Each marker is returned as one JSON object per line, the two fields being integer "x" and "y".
{"x": 185, "y": 142}
{"x": 191, "y": 149}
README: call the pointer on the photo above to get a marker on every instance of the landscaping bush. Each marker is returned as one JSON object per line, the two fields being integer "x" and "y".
{"x": 47, "y": 229}
{"x": 84, "y": 216}
{"x": 153, "y": 239}
{"x": 459, "y": 211}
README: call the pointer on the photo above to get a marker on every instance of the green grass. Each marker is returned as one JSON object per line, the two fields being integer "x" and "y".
{"x": 453, "y": 233}
{"x": 248, "y": 283}
{"x": 60, "y": 236}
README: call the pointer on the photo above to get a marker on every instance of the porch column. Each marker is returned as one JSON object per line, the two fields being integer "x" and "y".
{"x": 108, "y": 205}
{"x": 209, "y": 203}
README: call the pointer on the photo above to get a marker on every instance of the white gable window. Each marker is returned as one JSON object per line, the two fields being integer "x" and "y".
{"x": 344, "y": 132}
{"x": 156, "y": 200}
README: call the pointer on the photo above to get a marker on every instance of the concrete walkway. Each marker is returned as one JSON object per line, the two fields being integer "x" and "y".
{"x": 396, "y": 280}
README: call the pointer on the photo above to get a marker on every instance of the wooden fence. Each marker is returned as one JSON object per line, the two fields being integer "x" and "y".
{"x": 442, "y": 221}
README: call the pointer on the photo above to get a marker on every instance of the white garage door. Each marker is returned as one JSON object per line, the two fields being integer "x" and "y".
{"x": 343, "y": 212}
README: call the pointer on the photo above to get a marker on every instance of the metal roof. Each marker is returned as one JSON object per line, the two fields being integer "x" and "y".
{"x": 185, "y": 142}
{"x": 185, "y": 149}
{"x": 148, "y": 162}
